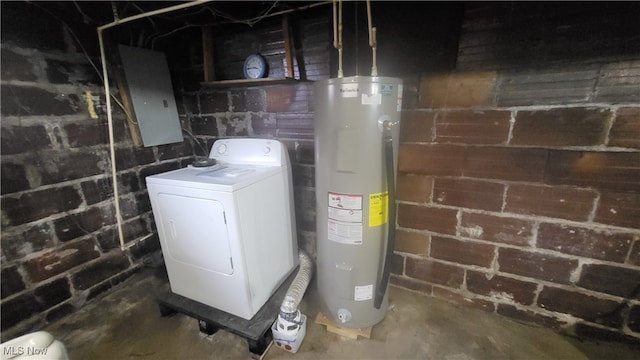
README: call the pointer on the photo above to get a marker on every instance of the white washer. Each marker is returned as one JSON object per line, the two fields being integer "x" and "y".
{"x": 228, "y": 231}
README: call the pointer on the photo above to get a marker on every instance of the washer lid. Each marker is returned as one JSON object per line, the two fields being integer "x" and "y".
{"x": 219, "y": 177}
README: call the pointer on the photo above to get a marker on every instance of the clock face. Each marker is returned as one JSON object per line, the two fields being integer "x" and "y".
{"x": 254, "y": 67}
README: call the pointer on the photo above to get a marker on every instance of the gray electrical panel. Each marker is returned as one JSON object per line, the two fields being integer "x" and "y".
{"x": 151, "y": 93}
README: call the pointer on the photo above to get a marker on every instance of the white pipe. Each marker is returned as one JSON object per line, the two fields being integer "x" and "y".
{"x": 112, "y": 152}
{"x": 310, "y": 6}
{"x": 335, "y": 25}
{"x": 340, "y": 74}
{"x": 374, "y": 66}
{"x": 372, "y": 41}
{"x": 114, "y": 176}
{"x": 152, "y": 13}
{"x": 337, "y": 29}
{"x": 369, "y": 21}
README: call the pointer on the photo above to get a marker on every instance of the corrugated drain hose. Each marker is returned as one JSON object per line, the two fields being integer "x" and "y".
{"x": 289, "y": 307}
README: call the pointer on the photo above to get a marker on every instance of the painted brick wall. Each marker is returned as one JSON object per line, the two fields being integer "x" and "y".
{"x": 519, "y": 189}
{"x": 59, "y": 241}
{"x": 283, "y": 111}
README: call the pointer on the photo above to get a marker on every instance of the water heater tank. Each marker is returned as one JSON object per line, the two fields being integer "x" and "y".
{"x": 356, "y": 140}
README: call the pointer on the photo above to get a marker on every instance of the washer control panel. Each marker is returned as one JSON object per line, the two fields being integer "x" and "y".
{"x": 250, "y": 151}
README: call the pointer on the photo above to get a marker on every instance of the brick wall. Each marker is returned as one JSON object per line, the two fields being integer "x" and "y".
{"x": 517, "y": 185}
{"x": 280, "y": 111}
{"x": 535, "y": 34}
{"x": 519, "y": 191}
{"x": 59, "y": 240}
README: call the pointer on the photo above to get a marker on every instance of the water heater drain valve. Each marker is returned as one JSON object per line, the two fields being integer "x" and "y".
{"x": 344, "y": 315}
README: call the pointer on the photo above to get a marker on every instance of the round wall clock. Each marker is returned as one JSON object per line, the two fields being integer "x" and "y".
{"x": 255, "y": 67}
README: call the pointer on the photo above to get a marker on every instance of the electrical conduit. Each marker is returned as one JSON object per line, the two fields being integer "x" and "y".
{"x": 381, "y": 289}
{"x": 107, "y": 92}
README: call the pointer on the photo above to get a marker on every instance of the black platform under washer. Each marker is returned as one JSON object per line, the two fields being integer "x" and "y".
{"x": 256, "y": 331}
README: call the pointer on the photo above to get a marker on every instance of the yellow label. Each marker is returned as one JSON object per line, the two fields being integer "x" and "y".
{"x": 378, "y": 208}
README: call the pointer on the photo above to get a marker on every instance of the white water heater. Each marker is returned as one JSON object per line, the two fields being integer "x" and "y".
{"x": 356, "y": 141}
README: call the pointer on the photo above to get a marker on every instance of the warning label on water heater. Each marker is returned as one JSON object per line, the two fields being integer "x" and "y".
{"x": 378, "y": 208}
{"x": 344, "y": 223}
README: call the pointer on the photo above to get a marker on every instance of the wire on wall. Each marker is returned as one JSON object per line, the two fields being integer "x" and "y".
{"x": 105, "y": 77}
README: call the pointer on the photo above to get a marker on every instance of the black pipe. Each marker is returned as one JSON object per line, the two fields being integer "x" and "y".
{"x": 391, "y": 217}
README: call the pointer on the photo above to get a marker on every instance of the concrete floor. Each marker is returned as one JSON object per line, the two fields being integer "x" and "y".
{"x": 126, "y": 324}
